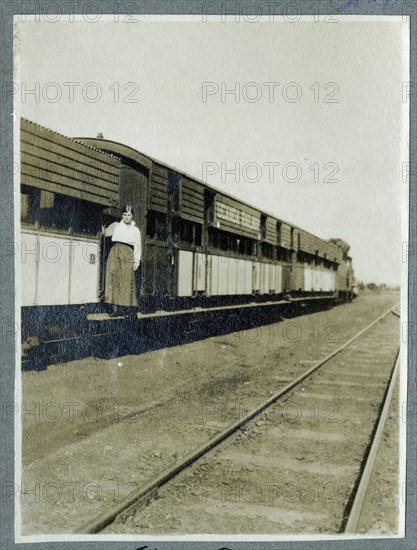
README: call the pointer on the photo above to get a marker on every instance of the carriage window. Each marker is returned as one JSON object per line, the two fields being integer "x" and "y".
{"x": 54, "y": 210}
{"x": 186, "y": 231}
{"x": 156, "y": 225}
{"x": 282, "y": 254}
{"x": 213, "y": 235}
{"x": 305, "y": 258}
{"x": 223, "y": 240}
{"x": 267, "y": 251}
{"x": 197, "y": 238}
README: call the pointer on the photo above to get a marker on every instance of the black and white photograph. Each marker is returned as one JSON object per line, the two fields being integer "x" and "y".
{"x": 211, "y": 245}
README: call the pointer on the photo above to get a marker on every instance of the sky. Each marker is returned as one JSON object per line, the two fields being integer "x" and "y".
{"x": 305, "y": 120}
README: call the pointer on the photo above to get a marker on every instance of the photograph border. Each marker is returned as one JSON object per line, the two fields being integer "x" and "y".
{"x": 9, "y": 327}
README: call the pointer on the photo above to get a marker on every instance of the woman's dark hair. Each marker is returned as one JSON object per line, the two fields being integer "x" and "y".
{"x": 126, "y": 208}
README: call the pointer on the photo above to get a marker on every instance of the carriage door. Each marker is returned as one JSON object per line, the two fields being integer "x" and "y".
{"x": 134, "y": 191}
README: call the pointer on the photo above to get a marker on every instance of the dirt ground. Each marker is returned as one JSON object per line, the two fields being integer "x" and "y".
{"x": 95, "y": 430}
{"x": 292, "y": 469}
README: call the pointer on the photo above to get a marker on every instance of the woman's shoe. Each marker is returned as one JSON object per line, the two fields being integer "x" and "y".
{"x": 114, "y": 312}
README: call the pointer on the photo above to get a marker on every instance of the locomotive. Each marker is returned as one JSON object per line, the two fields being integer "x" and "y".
{"x": 200, "y": 246}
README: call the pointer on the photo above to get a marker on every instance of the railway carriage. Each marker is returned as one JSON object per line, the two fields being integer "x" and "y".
{"x": 200, "y": 246}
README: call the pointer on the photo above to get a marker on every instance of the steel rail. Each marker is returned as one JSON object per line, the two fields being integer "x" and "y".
{"x": 146, "y": 491}
{"x": 366, "y": 473}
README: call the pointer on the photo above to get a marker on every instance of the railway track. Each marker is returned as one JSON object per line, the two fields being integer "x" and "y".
{"x": 297, "y": 463}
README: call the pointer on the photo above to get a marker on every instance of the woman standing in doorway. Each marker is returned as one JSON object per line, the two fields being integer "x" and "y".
{"x": 123, "y": 261}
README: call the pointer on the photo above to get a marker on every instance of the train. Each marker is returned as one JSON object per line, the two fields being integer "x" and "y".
{"x": 201, "y": 247}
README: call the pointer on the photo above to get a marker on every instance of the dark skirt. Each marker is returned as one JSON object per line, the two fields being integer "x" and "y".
{"x": 120, "y": 276}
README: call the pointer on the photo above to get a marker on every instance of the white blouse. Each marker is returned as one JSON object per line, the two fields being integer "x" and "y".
{"x": 127, "y": 233}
